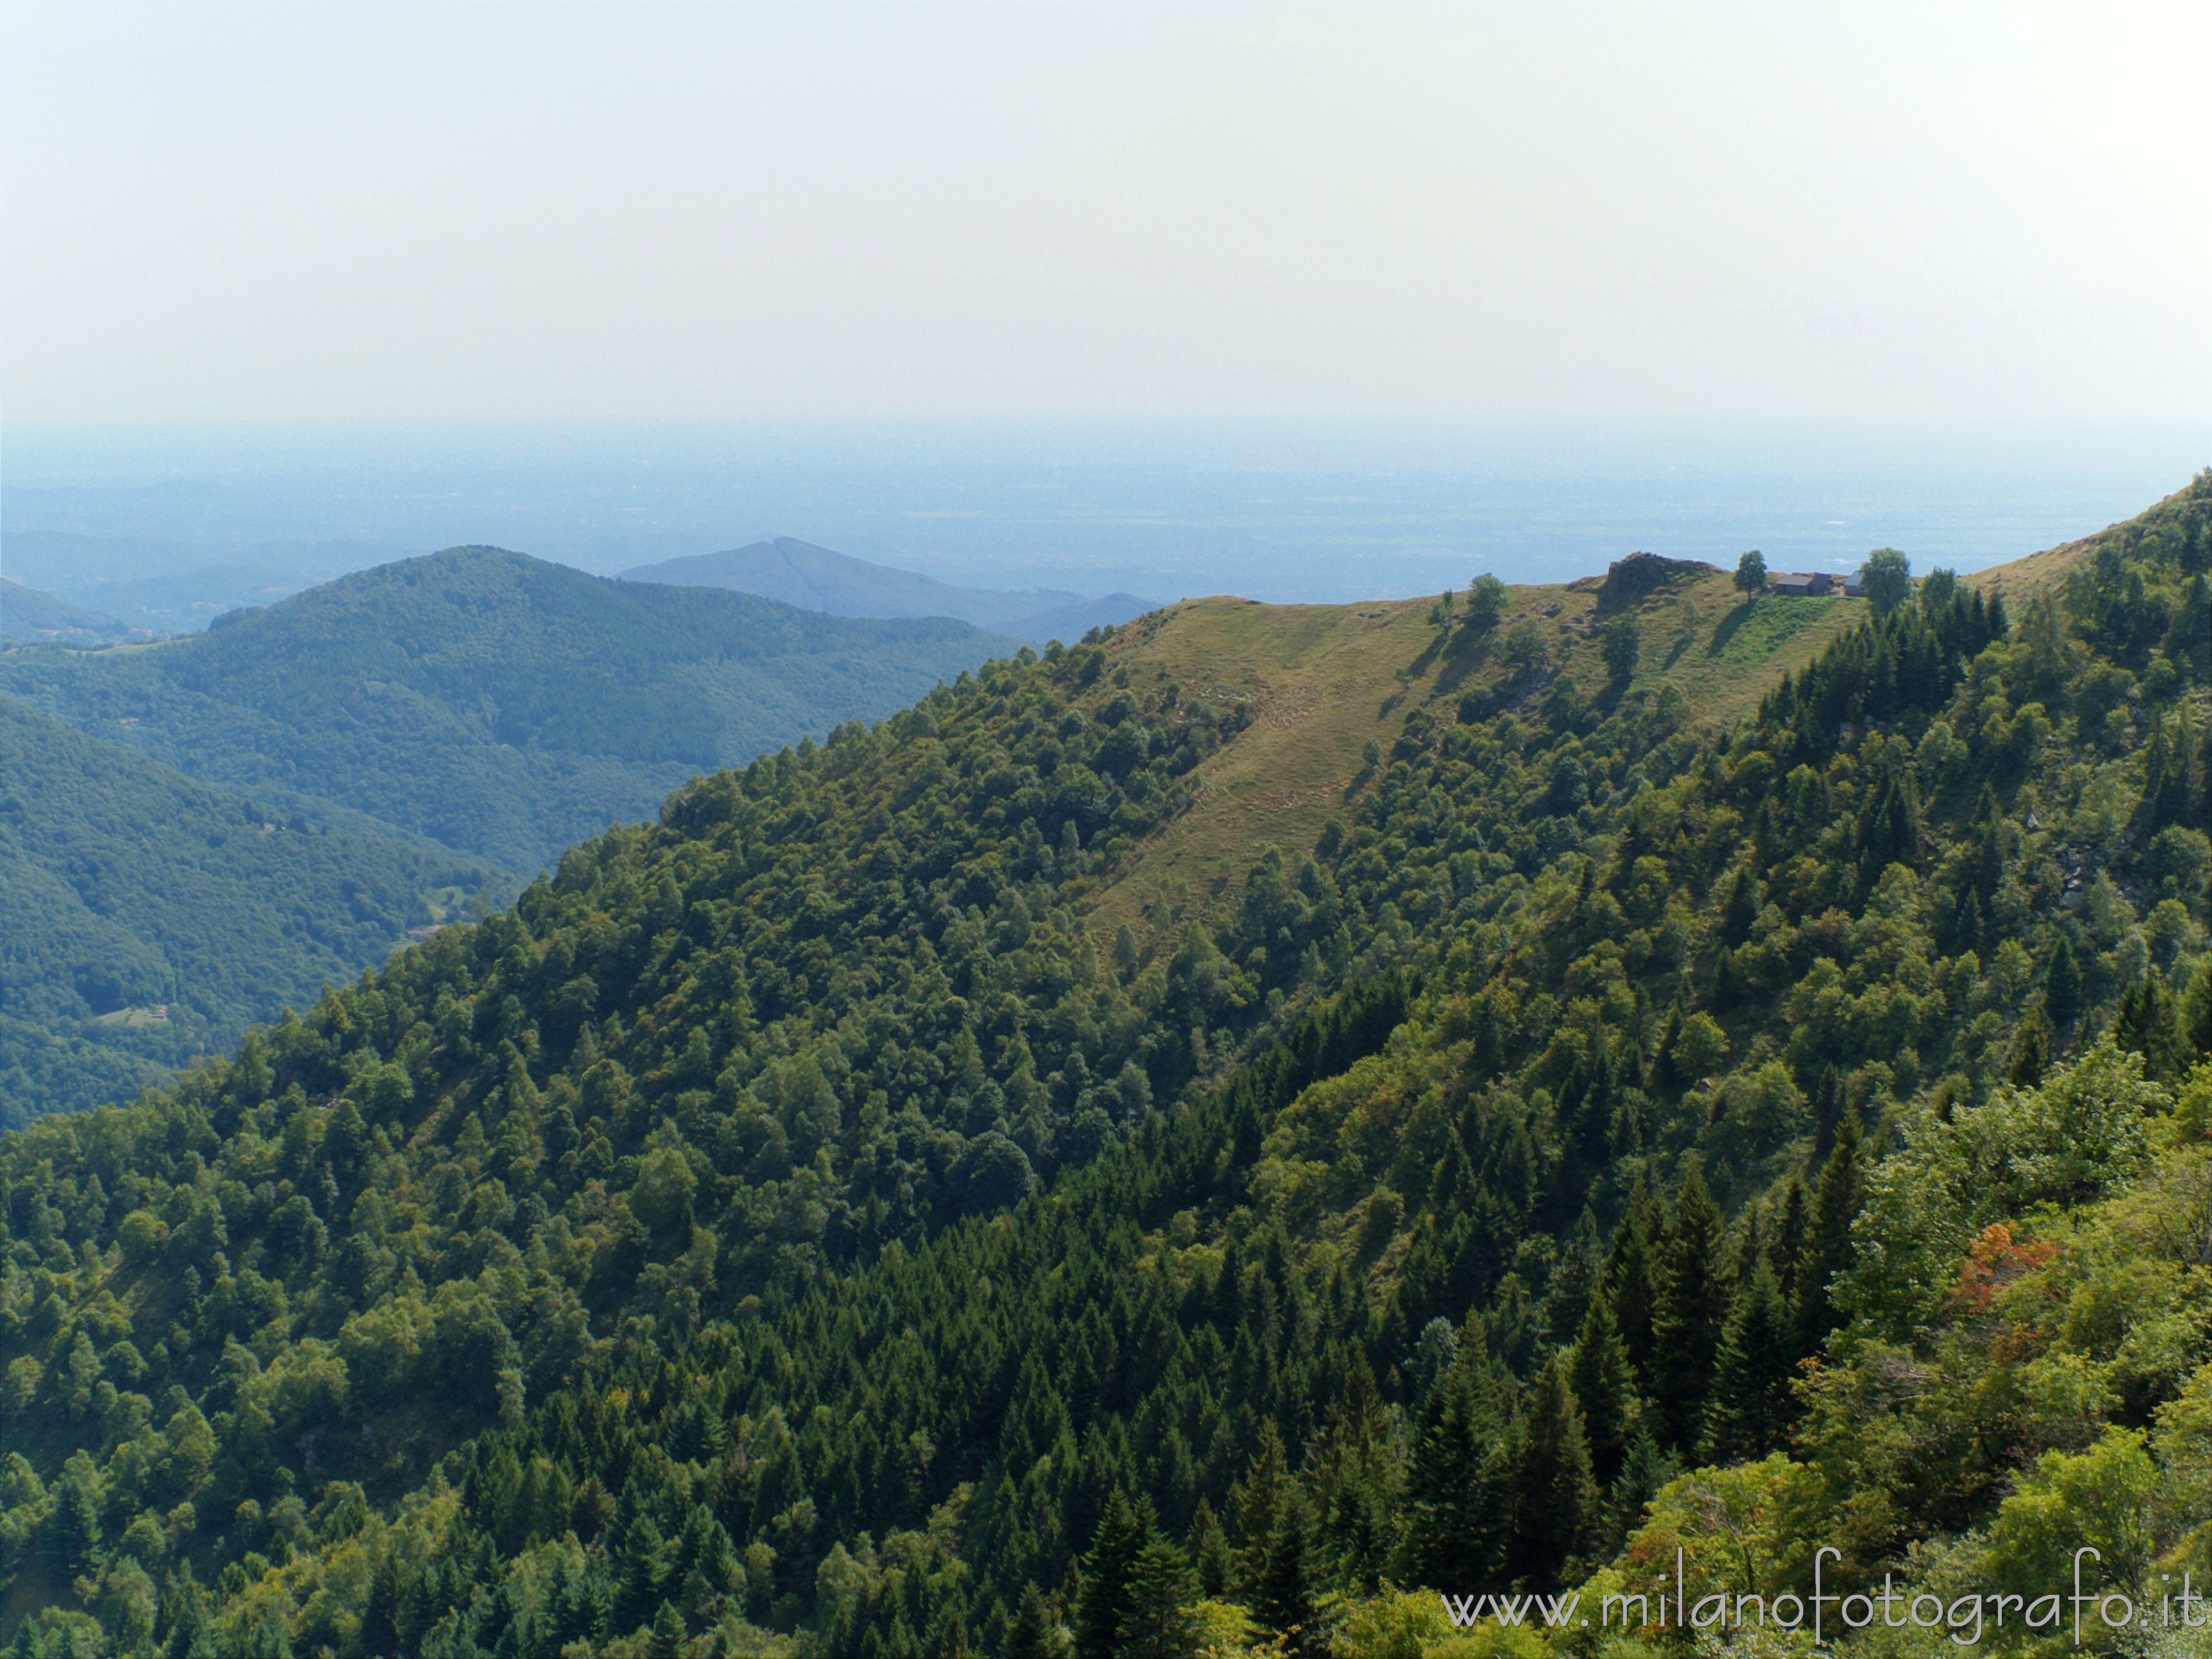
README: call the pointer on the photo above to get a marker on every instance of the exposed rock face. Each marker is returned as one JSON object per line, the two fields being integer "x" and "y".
{"x": 1628, "y": 582}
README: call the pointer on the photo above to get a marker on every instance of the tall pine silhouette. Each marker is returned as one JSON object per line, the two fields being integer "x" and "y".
{"x": 1693, "y": 1302}
{"x": 1836, "y": 1199}
{"x": 1751, "y": 1407}
{"x": 1604, "y": 1383}
{"x": 1460, "y": 1482}
{"x": 1105, "y": 1599}
{"x": 1554, "y": 1496}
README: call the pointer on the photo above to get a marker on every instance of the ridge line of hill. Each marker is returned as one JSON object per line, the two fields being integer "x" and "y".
{"x": 818, "y": 578}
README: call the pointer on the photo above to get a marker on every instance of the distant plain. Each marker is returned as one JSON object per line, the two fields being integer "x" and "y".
{"x": 1286, "y": 511}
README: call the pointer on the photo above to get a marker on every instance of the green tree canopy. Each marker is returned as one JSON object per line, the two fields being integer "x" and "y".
{"x": 1624, "y": 644}
{"x": 1887, "y": 576}
{"x": 1751, "y": 574}
{"x": 1486, "y": 600}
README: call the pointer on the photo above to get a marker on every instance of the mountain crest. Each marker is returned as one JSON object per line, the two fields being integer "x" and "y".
{"x": 817, "y": 578}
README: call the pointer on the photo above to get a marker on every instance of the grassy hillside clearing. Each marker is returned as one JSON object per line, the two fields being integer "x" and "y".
{"x": 1321, "y": 682}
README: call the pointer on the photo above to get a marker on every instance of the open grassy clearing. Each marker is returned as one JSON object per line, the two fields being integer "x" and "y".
{"x": 1322, "y": 682}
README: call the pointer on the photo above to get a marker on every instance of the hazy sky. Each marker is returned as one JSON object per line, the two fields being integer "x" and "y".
{"x": 1925, "y": 210}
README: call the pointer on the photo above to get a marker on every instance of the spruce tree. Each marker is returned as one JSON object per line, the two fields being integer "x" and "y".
{"x": 72, "y": 1530}
{"x": 1742, "y": 909}
{"x": 1576, "y": 1279}
{"x": 1284, "y": 1594}
{"x": 192, "y": 1635}
{"x": 2192, "y": 1020}
{"x": 1972, "y": 924}
{"x": 1553, "y": 1494}
{"x": 948, "y": 1632}
{"x": 1660, "y": 1076}
{"x": 1458, "y": 1478}
{"x": 1104, "y": 1602}
{"x": 1644, "y": 1470}
{"x": 1035, "y": 1633}
{"x": 1630, "y": 1280}
{"x": 670, "y": 1639}
{"x": 2031, "y": 1051}
{"x": 1605, "y": 1387}
{"x": 1693, "y": 1302}
{"x": 1432, "y": 1360}
{"x": 1836, "y": 1199}
{"x": 1264, "y": 1485}
{"x": 642, "y": 1568}
{"x": 1752, "y": 1408}
{"x": 345, "y": 1143}
{"x": 1489, "y": 1055}
{"x": 1357, "y": 1483}
{"x": 2200, "y": 809}
{"x": 1785, "y": 1241}
{"x": 1829, "y": 1104}
{"x": 1984, "y": 865}
{"x": 2145, "y": 1025}
{"x": 268, "y": 1638}
{"x": 378, "y": 1636}
{"x": 420, "y": 1607}
{"x": 1750, "y": 1238}
{"x": 566, "y": 1614}
{"x": 2061, "y": 985}
{"x": 1211, "y": 1558}
{"x": 1157, "y": 1623}
{"x": 2166, "y": 786}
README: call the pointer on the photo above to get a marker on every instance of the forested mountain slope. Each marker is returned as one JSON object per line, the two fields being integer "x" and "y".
{"x": 159, "y": 587}
{"x": 817, "y": 578}
{"x": 1448, "y": 1201}
{"x": 146, "y": 919}
{"x": 505, "y": 707}
{"x": 27, "y": 614}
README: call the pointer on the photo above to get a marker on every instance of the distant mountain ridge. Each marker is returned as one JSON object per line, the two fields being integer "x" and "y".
{"x": 150, "y": 584}
{"x": 26, "y": 613}
{"x": 819, "y": 579}
{"x": 500, "y": 706}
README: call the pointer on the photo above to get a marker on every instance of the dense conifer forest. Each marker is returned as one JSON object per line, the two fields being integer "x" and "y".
{"x": 792, "y": 1228}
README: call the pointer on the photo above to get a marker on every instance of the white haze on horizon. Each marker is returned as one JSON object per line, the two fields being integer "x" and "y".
{"x": 1867, "y": 212}
{"x": 1281, "y": 509}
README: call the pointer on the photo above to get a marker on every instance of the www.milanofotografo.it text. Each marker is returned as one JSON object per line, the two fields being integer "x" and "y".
{"x": 2090, "y": 1606}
